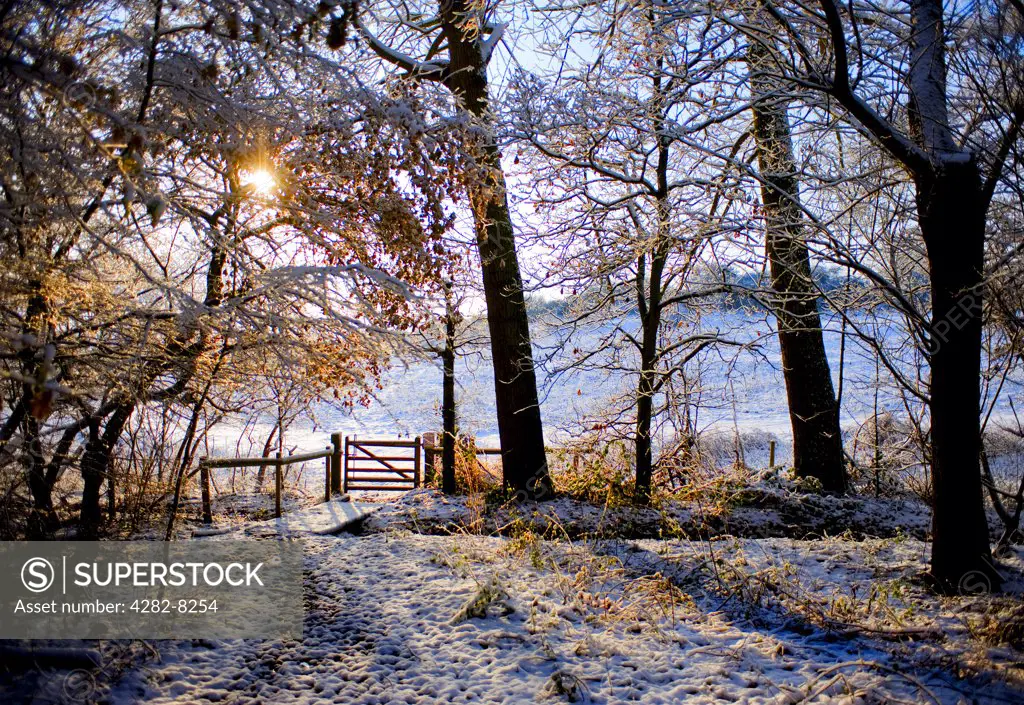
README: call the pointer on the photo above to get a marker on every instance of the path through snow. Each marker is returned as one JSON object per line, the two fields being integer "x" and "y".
{"x": 555, "y": 622}
{"x": 314, "y": 520}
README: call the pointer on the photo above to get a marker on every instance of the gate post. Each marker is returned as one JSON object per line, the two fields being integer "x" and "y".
{"x": 429, "y": 457}
{"x": 204, "y": 487}
{"x": 327, "y": 475}
{"x": 416, "y": 462}
{"x": 344, "y": 472}
{"x": 336, "y": 481}
{"x": 278, "y": 482}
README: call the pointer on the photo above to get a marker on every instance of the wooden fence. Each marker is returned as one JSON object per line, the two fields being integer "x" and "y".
{"x": 277, "y": 462}
{"x": 432, "y": 453}
{"x": 351, "y": 463}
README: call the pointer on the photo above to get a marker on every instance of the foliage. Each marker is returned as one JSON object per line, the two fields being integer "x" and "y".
{"x": 179, "y": 238}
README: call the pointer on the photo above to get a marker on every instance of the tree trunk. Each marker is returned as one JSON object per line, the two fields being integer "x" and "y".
{"x": 41, "y": 521}
{"x": 951, "y": 214}
{"x": 642, "y": 442}
{"x": 95, "y": 466}
{"x": 524, "y": 464}
{"x": 32, "y": 414}
{"x": 92, "y": 463}
{"x": 649, "y": 302}
{"x": 813, "y": 410}
{"x": 448, "y": 400}
{"x": 650, "y": 316}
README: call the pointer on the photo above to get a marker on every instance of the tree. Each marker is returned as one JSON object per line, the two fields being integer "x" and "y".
{"x": 632, "y": 209}
{"x": 952, "y": 135}
{"x": 446, "y": 340}
{"x": 813, "y": 409}
{"x": 468, "y": 34}
{"x": 448, "y": 430}
{"x": 157, "y": 272}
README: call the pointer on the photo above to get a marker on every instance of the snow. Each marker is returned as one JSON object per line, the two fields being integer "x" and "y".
{"x": 399, "y": 58}
{"x": 497, "y": 31}
{"x": 764, "y": 508}
{"x": 598, "y": 622}
{"x": 744, "y": 394}
{"x": 320, "y": 519}
{"x": 570, "y": 604}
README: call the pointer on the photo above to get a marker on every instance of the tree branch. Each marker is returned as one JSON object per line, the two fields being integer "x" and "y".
{"x": 898, "y": 144}
{"x": 431, "y": 71}
{"x": 1009, "y": 137}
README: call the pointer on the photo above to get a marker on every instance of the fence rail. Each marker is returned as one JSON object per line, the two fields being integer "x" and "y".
{"x": 258, "y": 462}
{"x": 278, "y": 462}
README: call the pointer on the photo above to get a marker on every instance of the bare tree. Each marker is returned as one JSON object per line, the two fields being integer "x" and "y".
{"x": 630, "y": 212}
{"x": 956, "y": 155}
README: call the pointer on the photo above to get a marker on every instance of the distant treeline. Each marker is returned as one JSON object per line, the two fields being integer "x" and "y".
{"x": 746, "y": 289}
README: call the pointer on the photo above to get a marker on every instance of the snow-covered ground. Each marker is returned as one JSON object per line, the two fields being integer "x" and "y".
{"x": 318, "y": 519}
{"x": 398, "y": 616}
{"x": 406, "y": 618}
{"x": 762, "y": 509}
{"x": 738, "y": 390}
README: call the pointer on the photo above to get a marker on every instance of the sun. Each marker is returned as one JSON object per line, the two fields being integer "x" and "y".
{"x": 261, "y": 181}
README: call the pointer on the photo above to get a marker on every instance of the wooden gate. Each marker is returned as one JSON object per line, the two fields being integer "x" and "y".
{"x": 388, "y": 465}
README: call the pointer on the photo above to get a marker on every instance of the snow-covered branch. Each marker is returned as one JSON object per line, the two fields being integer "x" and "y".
{"x": 430, "y": 70}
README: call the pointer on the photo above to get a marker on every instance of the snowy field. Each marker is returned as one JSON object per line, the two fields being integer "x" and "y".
{"x": 740, "y": 391}
{"x": 743, "y": 396}
{"x": 395, "y": 616}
